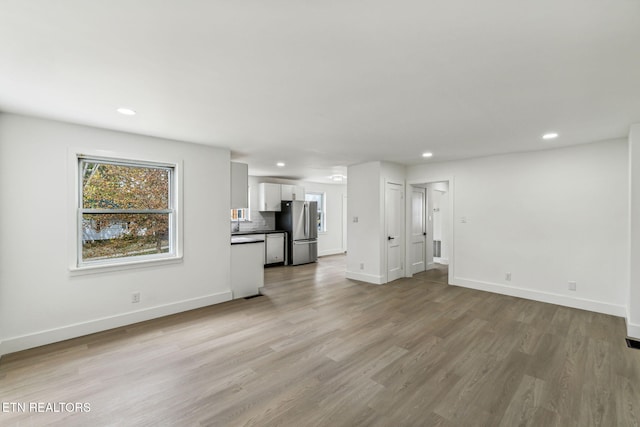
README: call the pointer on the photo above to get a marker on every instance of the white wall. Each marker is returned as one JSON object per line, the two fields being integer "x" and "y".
{"x": 633, "y": 307}
{"x": 544, "y": 216}
{"x": 364, "y": 203}
{"x": 392, "y": 172}
{"x": 366, "y": 200}
{"x": 40, "y": 300}
{"x": 329, "y": 242}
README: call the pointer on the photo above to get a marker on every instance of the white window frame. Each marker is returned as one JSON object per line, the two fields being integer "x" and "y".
{"x": 323, "y": 208}
{"x": 76, "y": 264}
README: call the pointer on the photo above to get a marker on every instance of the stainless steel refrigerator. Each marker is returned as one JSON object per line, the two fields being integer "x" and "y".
{"x": 300, "y": 220}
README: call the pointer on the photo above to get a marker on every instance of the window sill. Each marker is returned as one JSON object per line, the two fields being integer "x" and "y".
{"x": 121, "y": 266}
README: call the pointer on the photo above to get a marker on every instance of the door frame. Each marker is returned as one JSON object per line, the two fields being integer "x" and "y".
{"x": 452, "y": 228}
{"x": 410, "y": 260}
{"x": 344, "y": 223}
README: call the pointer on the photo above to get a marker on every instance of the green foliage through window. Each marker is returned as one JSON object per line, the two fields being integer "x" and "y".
{"x": 126, "y": 210}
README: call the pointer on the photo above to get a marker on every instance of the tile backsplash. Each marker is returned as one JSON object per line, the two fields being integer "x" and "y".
{"x": 259, "y": 221}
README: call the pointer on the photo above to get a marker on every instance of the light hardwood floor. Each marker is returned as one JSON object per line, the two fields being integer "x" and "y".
{"x": 320, "y": 350}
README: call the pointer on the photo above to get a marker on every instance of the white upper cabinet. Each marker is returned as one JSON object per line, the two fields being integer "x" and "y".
{"x": 269, "y": 197}
{"x": 292, "y": 192}
{"x": 239, "y": 185}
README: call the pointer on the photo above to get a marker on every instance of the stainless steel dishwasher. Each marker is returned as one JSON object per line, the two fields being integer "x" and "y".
{"x": 274, "y": 248}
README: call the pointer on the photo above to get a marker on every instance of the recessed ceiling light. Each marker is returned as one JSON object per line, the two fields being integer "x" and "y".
{"x": 337, "y": 178}
{"x": 427, "y": 154}
{"x": 280, "y": 164}
{"x": 550, "y": 135}
{"x": 126, "y": 111}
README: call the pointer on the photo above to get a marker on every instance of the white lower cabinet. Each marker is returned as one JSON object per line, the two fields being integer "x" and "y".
{"x": 247, "y": 269}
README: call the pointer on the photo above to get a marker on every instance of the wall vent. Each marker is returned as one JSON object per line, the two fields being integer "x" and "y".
{"x": 437, "y": 248}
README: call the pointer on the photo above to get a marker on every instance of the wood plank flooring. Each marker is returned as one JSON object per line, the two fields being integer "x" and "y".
{"x": 321, "y": 350}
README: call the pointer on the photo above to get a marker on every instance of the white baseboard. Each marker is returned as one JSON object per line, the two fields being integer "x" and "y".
{"x": 444, "y": 261}
{"x": 549, "y": 297}
{"x": 11, "y": 345}
{"x": 633, "y": 330}
{"x": 363, "y": 277}
{"x": 331, "y": 252}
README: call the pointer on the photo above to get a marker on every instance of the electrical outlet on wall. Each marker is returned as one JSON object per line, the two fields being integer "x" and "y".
{"x": 572, "y": 286}
{"x": 507, "y": 276}
{"x": 135, "y": 297}
{"x": 362, "y": 266}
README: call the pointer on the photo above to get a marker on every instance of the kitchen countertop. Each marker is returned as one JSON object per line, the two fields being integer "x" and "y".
{"x": 238, "y": 240}
{"x": 243, "y": 233}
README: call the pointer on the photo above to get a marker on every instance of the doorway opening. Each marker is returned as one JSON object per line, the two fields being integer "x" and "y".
{"x": 431, "y": 230}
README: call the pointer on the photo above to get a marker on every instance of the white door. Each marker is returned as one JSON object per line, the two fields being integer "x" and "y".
{"x": 418, "y": 230}
{"x": 395, "y": 242}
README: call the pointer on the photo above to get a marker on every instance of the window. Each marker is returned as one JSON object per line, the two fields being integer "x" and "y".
{"x": 239, "y": 214}
{"x": 320, "y": 199}
{"x": 126, "y": 211}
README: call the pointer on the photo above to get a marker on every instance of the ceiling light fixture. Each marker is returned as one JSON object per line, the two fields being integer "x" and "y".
{"x": 550, "y": 135}
{"x": 427, "y": 154}
{"x": 337, "y": 178}
{"x": 280, "y": 164}
{"x": 126, "y": 111}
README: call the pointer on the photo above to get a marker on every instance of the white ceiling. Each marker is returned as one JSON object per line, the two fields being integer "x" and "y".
{"x": 324, "y": 84}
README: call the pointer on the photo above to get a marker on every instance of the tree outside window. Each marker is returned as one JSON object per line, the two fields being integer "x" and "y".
{"x": 320, "y": 199}
{"x": 239, "y": 214}
{"x": 126, "y": 210}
